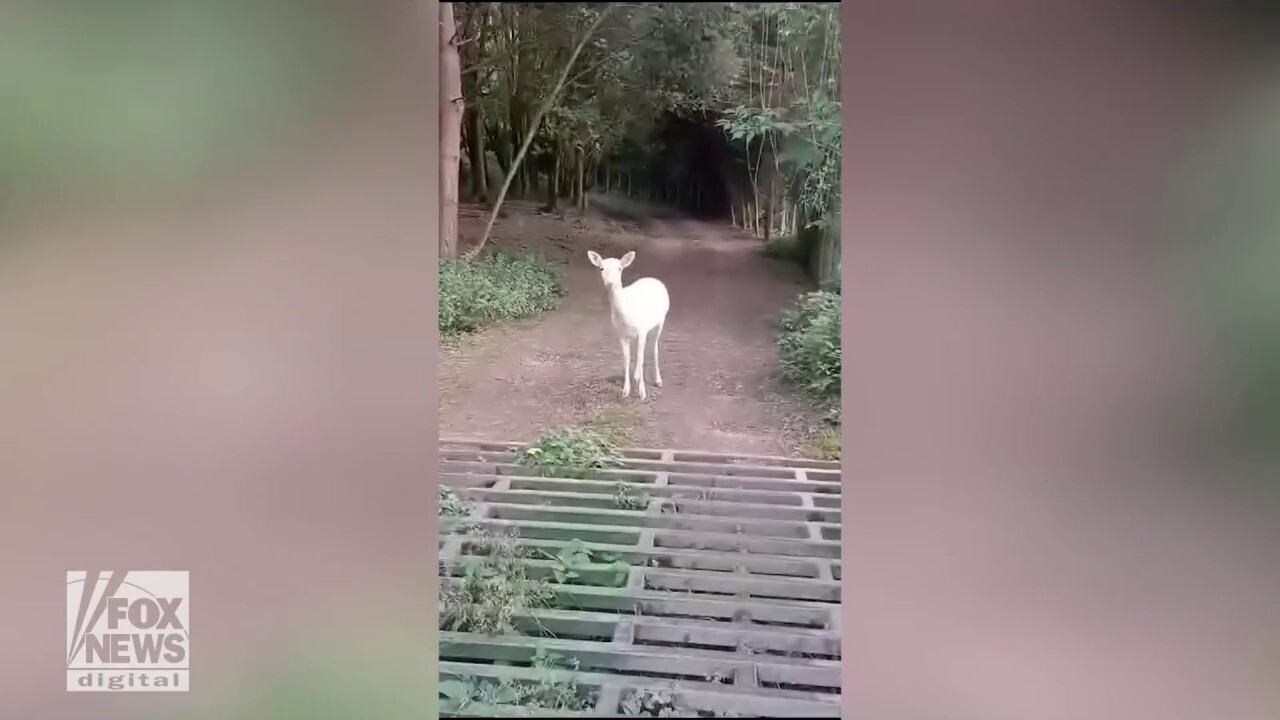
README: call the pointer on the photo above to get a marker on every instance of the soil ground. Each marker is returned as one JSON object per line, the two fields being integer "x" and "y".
{"x": 722, "y": 391}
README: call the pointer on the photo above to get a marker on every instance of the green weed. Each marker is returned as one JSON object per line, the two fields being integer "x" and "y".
{"x": 575, "y": 557}
{"x": 570, "y": 453}
{"x": 545, "y": 693}
{"x": 628, "y": 498}
{"x": 452, "y": 504}
{"x": 655, "y": 702}
{"x": 568, "y": 561}
{"x": 495, "y": 587}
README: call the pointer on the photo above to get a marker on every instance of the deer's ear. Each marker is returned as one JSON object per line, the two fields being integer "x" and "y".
{"x": 626, "y": 259}
{"x": 594, "y": 257}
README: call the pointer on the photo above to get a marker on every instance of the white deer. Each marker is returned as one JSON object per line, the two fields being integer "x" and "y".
{"x": 635, "y": 311}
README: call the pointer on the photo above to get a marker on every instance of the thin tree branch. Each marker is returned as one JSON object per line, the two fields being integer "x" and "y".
{"x": 602, "y": 60}
{"x": 533, "y": 129}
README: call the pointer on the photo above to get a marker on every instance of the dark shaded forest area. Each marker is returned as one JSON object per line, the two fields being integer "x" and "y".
{"x": 723, "y": 110}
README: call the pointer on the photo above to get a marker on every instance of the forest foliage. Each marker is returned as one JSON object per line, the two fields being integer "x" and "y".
{"x": 766, "y": 75}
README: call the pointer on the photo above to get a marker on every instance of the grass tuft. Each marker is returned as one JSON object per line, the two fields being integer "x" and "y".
{"x": 823, "y": 444}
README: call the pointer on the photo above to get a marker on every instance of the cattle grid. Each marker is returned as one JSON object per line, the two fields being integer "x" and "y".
{"x": 721, "y": 594}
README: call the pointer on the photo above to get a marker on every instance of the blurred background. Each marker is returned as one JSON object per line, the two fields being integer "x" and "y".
{"x": 217, "y": 232}
{"x": 217, "y": 225}
{"x": 1060, "y": 325}
{"x": 150, "y": 100}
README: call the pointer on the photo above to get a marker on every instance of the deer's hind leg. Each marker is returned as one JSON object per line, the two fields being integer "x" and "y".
{"x": 657, "y": 369}
{"x": 640, "y": 365}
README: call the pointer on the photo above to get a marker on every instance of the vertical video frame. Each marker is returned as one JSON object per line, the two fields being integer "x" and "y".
{"x": 640, "y": 370}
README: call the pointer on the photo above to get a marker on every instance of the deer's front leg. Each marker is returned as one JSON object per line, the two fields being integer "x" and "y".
{"x": 626, "y": 366}
{"x": 640, "y": 367}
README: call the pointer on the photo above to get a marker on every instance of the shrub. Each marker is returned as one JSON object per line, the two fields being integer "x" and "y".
{"x": 786, "y": 247}
{"x": 809, "y": 345}
{"x": 490, "y": 288}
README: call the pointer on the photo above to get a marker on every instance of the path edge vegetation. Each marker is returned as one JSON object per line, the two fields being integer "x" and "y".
{"x": 809, "y": 351}
{"x": 497, "y": 286}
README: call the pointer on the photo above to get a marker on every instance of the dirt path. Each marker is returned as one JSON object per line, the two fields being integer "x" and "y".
{"x": 719, "y": 364}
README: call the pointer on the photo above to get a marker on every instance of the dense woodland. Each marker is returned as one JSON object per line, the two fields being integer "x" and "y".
{"x": 721, "y": 109}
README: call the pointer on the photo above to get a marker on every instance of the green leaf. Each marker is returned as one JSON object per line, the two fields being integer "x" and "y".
{"x": 802, "y": 154}
{"x": 505, "y": 694}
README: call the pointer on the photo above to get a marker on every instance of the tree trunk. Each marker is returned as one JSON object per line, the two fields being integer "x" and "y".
{"x": 575, "y": 162}
{"x": 479, "y": 167}
{"x": 553, "y": 180}
{"x": 515, "y": 110}
{"x": 516, "y": 175}
{"x": 513, "y": 122}
{"x": 504, "y": 151}
{"x": 473, "y": 18}
{"x": 451, "y": 108}
{"x": 580, "y": 189}
{"x": 533, "y": 126}
{"x": 768, "y": 208}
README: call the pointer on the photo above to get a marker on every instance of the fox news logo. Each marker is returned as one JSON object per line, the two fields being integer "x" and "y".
{"x": 128, "y": 631}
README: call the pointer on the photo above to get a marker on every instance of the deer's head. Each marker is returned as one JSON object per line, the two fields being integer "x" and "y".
{"x": 611, "y": 268}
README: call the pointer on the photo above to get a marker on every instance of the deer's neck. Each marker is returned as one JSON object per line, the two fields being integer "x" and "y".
{"x": 615, "y": 296}
{"x": 616, "y": 306}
